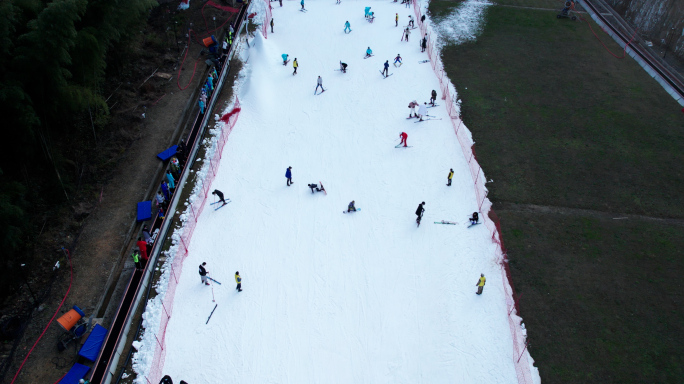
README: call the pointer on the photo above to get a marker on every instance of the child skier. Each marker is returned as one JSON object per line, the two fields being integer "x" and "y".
{"x": 433, "y": 97}
{"x": 474, "y": 219}
{"x": 369, "y": 53}
{"x": 284, "y": 56}
{"x": 347, "y": 26}
{"x": 397, "y": 60}
{"x": 385, "y": 71}
{"x": 403, "y": 136}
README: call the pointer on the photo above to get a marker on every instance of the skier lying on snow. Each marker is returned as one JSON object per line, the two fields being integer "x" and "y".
{"x": 315, "y": 186}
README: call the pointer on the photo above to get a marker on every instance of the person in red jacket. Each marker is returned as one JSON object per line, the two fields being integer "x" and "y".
{"x": 403, "y": 136}
{"x": 142, "y": 246}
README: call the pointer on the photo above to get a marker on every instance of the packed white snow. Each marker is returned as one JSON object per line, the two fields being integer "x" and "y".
{"x": 329, "y": 297}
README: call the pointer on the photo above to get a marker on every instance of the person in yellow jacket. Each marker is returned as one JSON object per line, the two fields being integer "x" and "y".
{"x": 451, "y": 176}
{"x": 295, "y": 65}
{"x": 396, "y": 19}
{"x": 238, "y": 280}
{"x": 480, "y": 284}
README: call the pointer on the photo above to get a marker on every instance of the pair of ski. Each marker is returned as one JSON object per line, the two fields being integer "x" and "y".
{"x": 220, "y": 206}
{"x": 454, "y": 223}
{"x": 383, "y": 75}
{"x": 397, "y": 66}
{"x": 303, "y": 10}
{"x": 316, "y": 90}
{"x": 420, "y": 121}
{"x": 401, "y": 146}
{"x": 367, "y": 56}
{"x": 345, "y": 31}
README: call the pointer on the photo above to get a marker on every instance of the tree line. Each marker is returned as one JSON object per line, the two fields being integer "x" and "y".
{"x": 53, "y": 63}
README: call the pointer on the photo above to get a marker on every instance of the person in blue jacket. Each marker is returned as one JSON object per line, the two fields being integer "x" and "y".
{"x": 165, "y": 190}
{"x": 369, "y": 52}
{"x": 351, "y": 207}
{"x": 172, "y": 182}
{"x": 385, "y": 71}
{"x": 284, "y": 56}
{"x": 367, "y": 12}
{"x": 347, "y": 26}
{"x": 288, "y": 175}
{"x": 302, "y": 3}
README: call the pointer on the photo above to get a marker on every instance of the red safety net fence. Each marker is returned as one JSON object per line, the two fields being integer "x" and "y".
{"x": 267, "y": 19}
{"x": 191, "y": 216}
{"x": 491, "y": 221}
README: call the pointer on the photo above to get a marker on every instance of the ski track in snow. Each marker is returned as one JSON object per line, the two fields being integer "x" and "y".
{"x": 328, "y": 297}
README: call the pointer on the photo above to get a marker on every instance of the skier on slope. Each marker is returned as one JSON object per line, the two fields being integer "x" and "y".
{"x": 319, "y": 84}
{"x": 397, "y": 60}
{"x": 369, "y": 53}
{"x": 238, "y": 279}
{"x": 343, "y": 67}
{"x": 351, "y": 207}
{"x": 474, "y": 219}
{"x": 347, "y": 26}
{"x": 407, "y": 32}
{"x": 203, "y": 273}
{"x": 302, "y": 3}
{"x": 423, "y": 45}
{"x": 403, "y": 136}
{"x": 481, "y": 283}
{"x": 295, "y": 65}
{"x": 385, "y": 71}
{"x": 412, "y": 109}
{"x": 396, "y": 20}
{"x": 419, "y": 212}
{"x": 271, "y": 25}
{"x": 433, "y": 97}
{"x": 451, "y": 176}
{"x": 411, "y": 21}
{"x": 284, "y": 56}
{"x": 367, "y": 12}
{"x": 220, "y": 196}
{"x": 422, "y": 111}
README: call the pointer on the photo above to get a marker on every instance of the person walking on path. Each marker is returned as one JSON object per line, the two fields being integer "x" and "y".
{"x": 161, "y": 202}
{"x": 142, "y": 246}
{"x": 451, "y": 175}
{"x": 403, "y": 136}
{"x": 295, "y": 65}
{"x": 288, "y": 176}
{"x": 146, "y": 234}
{"x": 171, "y": 180}
{"x": 136, "y": 259}
{"x": 396, "y": 20}
{"x": 347, "y": 26}
{"x": 480, "y": 284}
{"x": 422, "y": 111}
{"x": 165, "y": 190}
{"x": 271, "y": 25}
{"x": 385, "y": 71}
{"x": 203, "y": 273}
{"x": 238, "y": 279}
{"x": 319, "y": 83}
{"x": 201, "y": 107}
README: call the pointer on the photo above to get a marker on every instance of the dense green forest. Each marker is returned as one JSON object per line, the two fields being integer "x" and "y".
{"x": 53, "y": 68}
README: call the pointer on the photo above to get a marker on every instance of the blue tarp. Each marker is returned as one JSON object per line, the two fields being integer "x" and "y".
{"x": 75, "y": 374}
{"x": 92, "y": 345}
{"x": 163, "y": 156}
{"x": 144, "y": 210}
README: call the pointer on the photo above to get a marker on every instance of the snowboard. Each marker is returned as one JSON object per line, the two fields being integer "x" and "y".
{"x": 357, "y": 209}
{"x": 368, "y": 56}
{"x": 323, "y": 188}
{"x": 473, "y": 224}
{"x": 424, "y": 61}
{"x": 286, "y": 62}
{"x": 401, "y": 146}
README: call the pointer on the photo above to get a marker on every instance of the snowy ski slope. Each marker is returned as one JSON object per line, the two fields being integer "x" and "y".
{"x": 331, "y": 297}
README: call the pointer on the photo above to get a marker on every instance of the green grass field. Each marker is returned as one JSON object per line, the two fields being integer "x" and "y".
{"x": 572, "y": 139}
